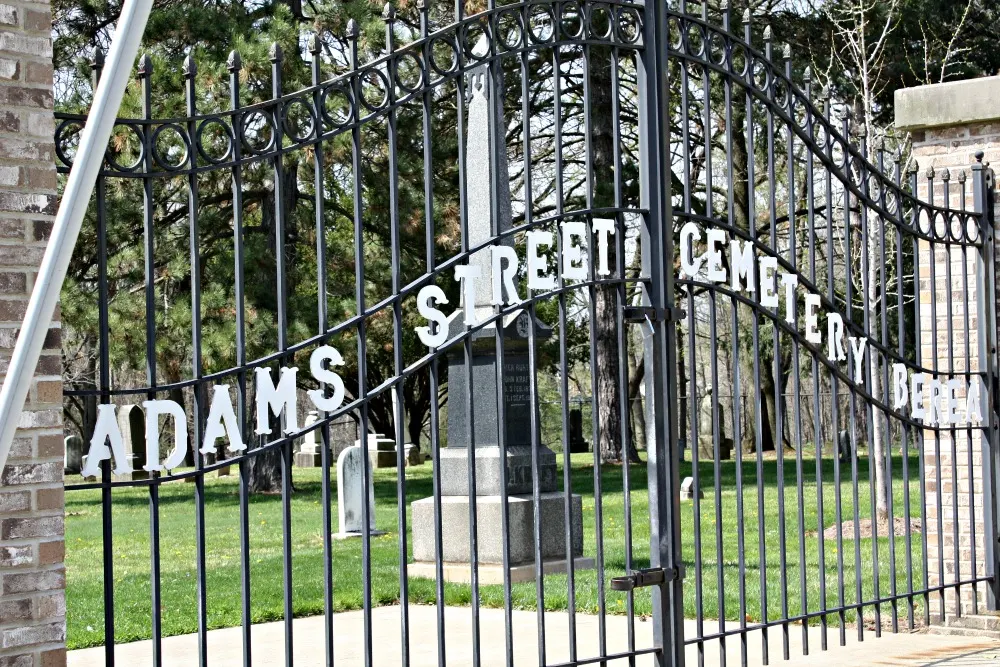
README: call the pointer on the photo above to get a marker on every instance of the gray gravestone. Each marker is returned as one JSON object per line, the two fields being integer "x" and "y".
{"x": 351, "y": 494}
{"x": 706, "y": 424}
{"x": 74, "y": 455}
{"x": 343, "y": 434}
{"x": 476, "y": 434}
{"x": 844, "y": 449}
{"x": 132, "y": 422}
{"x": 577, "y": 444}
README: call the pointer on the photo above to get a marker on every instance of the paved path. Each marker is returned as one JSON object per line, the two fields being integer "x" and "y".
{"x": 903, "y": 650}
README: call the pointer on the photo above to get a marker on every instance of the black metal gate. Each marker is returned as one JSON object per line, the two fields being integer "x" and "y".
{"x": 658, "y": 172}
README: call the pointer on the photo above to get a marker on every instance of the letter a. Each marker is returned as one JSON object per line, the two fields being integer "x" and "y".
{"x": 106, "y": 430}
{"x": 222, "y": 422}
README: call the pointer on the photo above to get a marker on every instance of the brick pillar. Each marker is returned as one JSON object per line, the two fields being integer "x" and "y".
{"x": 32, "y": 576}
{"x": 948, "y": 124}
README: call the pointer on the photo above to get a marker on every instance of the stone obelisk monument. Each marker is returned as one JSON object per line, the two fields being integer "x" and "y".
{"x": 481, "y": 442}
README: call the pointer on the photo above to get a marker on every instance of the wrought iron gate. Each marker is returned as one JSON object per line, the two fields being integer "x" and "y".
{"x": 633, "y": 144}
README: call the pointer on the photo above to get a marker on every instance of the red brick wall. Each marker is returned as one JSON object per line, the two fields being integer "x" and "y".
{"x": 32, "y": 576}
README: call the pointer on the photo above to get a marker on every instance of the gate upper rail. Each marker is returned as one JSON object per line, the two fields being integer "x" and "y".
{"x": 624, "y": 32}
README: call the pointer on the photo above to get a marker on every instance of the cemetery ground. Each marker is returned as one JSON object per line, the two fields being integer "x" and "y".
{"x": 131, "y": 548}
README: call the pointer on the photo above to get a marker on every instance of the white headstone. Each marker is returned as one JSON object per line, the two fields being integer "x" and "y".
{"x": 687, "y": 489}
{"x": 351, "y": 493}
{"x": 310, "y": 442}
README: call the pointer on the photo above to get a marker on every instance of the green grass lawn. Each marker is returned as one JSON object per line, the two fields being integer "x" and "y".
{"x": 132, "y": 587}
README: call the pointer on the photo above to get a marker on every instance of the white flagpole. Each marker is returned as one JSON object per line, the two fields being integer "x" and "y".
{"x": 69, "y": 218}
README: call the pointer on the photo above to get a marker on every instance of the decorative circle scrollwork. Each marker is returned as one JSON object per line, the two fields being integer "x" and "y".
{"x": 444, "y": 55}
{"x": 409, "y": 72}
{"x": 541, "y": 23}
{"x": 257, "y": 131}
{"x": 972, "y": 229}
{"x": 476, "y": 41}
{"x": 68, "y": 140}
{"x": 336, "y": 106}
{"x": 374, "y": 89}
{"x": 738, "y": 61}
{"x": 126, "y": 148}
{"x": 695, "y": 40}
{"x": 207, "y": 138}
{"x": 510, "y": 31}
{"x": 717, "y": 48}
{"x": 298, "y": 119}
{"x": 675, "y": 34}
{"x": 171, "y": 147}
{"x": 599, "y": 21}
{"x": 629, "y": 25}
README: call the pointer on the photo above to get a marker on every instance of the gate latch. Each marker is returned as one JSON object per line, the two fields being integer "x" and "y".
{"x": 651, "y": 314}
{"x": 641, "y": 578}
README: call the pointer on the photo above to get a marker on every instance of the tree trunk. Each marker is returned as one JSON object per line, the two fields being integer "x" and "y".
{"x": 768, "y": 407}
{"x": 263, "y": 470}
{"x": 878, "y": 427}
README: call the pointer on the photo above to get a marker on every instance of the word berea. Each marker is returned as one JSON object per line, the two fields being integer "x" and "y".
{"x": 271, "y": 399}
{"x": 934, "y": 400}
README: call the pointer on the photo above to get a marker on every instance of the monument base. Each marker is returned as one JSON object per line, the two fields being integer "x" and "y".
{"x": 455, "y": 527}
{"x": 490, "y": 574}
{"x": 454, "y": 462}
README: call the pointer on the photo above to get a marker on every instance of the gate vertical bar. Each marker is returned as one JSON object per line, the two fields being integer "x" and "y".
{"x": 659, "y": 348}
{"x": 986, "y": 277}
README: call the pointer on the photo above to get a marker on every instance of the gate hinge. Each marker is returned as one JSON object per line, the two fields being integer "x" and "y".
{"x": 651, "y": 314}
{"x": 653, "y": 576}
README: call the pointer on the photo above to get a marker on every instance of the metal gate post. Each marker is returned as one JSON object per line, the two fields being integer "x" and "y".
{"x": 986, "y": 313}
{"x": 660, "y": 339}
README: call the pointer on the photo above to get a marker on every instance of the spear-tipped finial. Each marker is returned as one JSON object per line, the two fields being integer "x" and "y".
{"x": 234, "y": 63}
{"x": 807, "y": 76}
{"x": 352, "y": 29}
{"x": 912, "y": 166}
{"x": 930, "y": 172}
{"x": 962, "y": 176}
{"x": 388, "y": 12}
{"x": 768, "y": 33}
{"x": 315, "y": 44}
{"x": 786, "y": 51}
{"x": 724, "y": 6}
{"x": 145, "y": 65}
{"x": 746, "y": 15}
{"x": 946, "y": 174}
{"x": 423, "y": 5}
{"x": 190, "y": 68}
{"x": 276, "y": 54}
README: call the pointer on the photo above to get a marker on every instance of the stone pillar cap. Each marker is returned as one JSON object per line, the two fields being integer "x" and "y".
{"x": 948, "y": 104}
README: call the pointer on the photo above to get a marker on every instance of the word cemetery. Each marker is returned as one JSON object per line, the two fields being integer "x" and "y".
{"x": 932, "y": 400}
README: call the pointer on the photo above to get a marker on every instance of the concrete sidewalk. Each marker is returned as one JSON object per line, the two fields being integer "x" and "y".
{"x": 905, "y": 650}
